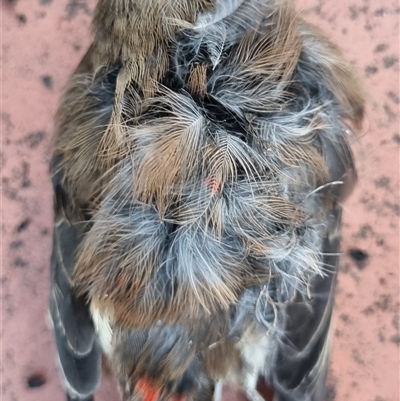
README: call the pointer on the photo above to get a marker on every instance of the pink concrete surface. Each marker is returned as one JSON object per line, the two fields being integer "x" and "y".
{"x": 42, "y": 42}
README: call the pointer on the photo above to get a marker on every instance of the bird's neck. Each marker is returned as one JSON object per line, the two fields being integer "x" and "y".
{"x": 137, "y": 33}
{"x": 140, "y": 26}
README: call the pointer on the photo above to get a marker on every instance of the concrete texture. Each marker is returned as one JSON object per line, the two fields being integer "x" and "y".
{"x": 42, "y": 41}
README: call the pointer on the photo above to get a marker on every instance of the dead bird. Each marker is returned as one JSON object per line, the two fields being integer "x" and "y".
{"x": 200, "y": 166}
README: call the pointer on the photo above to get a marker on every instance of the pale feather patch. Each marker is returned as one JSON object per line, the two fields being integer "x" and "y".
{"x": 255, "y": 347}
{"x": 102, "y": 325}
{"x": 218, "y": 390}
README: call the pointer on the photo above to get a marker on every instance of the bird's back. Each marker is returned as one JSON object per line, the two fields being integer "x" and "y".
{"x": 199, "y": 183}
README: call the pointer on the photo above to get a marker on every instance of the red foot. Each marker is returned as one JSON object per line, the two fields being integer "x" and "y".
{"x": 145, "y": 387}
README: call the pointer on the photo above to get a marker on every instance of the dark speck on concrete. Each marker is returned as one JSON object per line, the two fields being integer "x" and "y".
{"x": 45, "y": 232}
{"x": 25, "y": 175}
{"x": 368, "y": 311}
{"x": 44, "y": 2}
{"x": 394, "y": 97}
{"x": 365, "y": 231}
{"x": 330, "y": 393}
{"x": 382, "y": 182}
{"x": 21, "y": 18}
{"x": 371, "y": 70}
{"x": 353, "y": 12}
{"x": 395, "y": 321}
{"x": 345, "y": 318}
{"x": 9, "y": 192}
{"x": 382, "y": 281}
{"x": 383, "y": 303}
{"x": 380, "y": 12}
{"x": 396, "y": 138}
{"x": 368, "y": 27}
{"x": 394, "y": 207}
{"x": 74, "y": 6}
{"x": 16, "y": 244}
{"x": 18, "y": 262}
{"x": 8, "y": 125}
{"x": 359, "y": 256}
{"x": 33, "y": 139}
{"x": 381, "y": 48}
{"x": 395, "y": 339}
{"x": 23, "y": 225}
{"x": 10, "y": 355}
{"x": 390, "y": 61}
{"x": 35, "y": 381}
{"x": 47, "y": 81}
{"x": 389, "y": 113}
{"x": 357, "y": 357}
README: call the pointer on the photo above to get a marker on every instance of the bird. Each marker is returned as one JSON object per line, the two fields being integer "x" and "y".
{"x": 201, "y": 162}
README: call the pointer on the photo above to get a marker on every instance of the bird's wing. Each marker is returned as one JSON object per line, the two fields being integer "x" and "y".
{"x": 302, "y": 356}
{"x": 74, "y": 332}
{"x": 302, "y": 352}
{"x": 83, "y": 115}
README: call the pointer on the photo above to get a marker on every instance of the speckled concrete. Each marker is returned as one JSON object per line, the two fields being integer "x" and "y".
{"x": 42, "y": 41}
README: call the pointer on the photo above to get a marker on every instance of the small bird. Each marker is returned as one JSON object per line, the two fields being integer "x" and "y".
{"x": 200, "y": 165}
